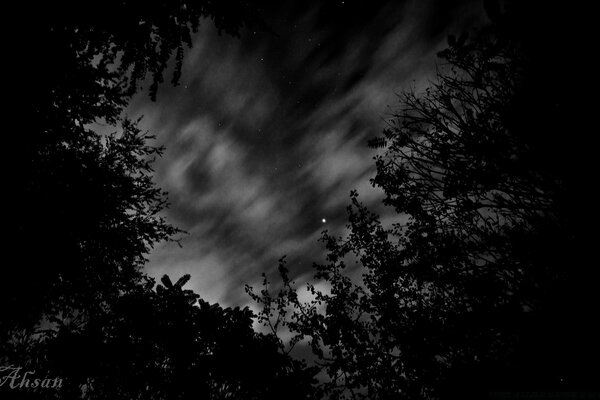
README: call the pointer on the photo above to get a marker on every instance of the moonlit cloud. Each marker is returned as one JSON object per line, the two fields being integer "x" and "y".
{"x": 266, "y": 135}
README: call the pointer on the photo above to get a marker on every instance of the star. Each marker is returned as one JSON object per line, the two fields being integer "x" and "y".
{"x": 323, "y": 220}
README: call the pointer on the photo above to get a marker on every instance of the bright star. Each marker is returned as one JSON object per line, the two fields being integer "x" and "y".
{"x": 323, "y": 220}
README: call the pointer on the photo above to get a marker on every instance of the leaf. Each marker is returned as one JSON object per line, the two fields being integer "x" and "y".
{"x": 166, "y": 281}
{"x": 377, "y": 143}
{"x": 183, "y": 280}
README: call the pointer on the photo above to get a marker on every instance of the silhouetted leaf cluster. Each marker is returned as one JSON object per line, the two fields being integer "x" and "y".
{"x": 86, "y": 201}
{"x": 84, "y": 212}
{"x": 166, "y": 343}
{"x": 474, "y": 285}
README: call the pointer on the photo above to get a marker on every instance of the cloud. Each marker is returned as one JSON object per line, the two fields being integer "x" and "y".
{"x": 266, "y": 135}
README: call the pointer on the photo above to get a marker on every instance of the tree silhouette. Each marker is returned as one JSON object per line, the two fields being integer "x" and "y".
{"x": 95, "y": 209}
{"x": 469, "y": 290}
{"x": 84, "y": 212}
{"x": 165, "y": 343}
{"x": 85, "y": 202}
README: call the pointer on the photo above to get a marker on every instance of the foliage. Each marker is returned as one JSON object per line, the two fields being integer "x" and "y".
{"x": 85, "y": 201}
{"x": 95, "y": 210}
{"x": 165, "y": 343}
{"x": 84, "y": 212}
{"x": 454, "y": 297}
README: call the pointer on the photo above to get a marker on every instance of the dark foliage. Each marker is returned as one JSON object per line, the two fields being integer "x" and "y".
{"x": 83, "y": 213}
{"x": 482, "y": 283}
{"x": 84, "y": 202}
{"x": 164, "y": 344}
{"x": 90, "y": 211}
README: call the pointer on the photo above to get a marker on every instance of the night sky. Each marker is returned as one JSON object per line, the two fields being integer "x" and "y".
{"x": 267, "y": 133}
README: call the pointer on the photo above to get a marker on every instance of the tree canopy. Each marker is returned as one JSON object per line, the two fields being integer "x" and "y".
{"x": 479, "y": 285}
{"x": 475, "y": 287}
{"x": 163, "y": 343}
{"x": 86, "y": 202}
{"x": 84, "y": 212}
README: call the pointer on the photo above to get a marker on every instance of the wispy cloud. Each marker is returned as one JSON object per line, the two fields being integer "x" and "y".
{"x": 266, "y": 136}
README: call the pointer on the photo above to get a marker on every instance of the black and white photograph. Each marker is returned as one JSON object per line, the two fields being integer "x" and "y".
{"x": 317, "y": 200}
